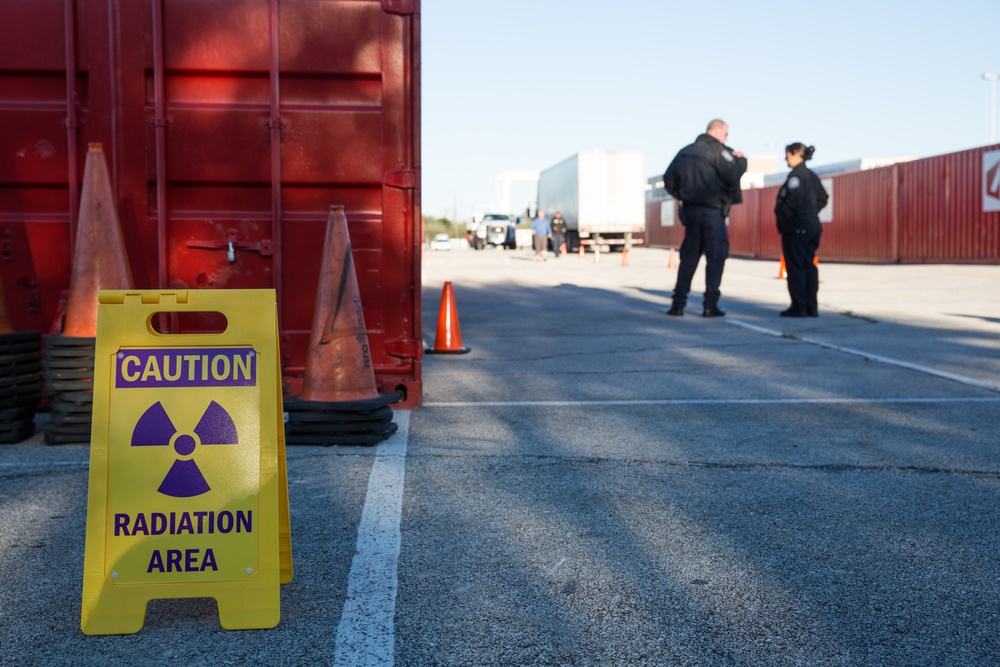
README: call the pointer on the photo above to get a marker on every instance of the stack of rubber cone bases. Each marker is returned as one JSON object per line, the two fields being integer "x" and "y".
{"x": 99, "y": 262}
{"x": 340, "y": 403}
{"x": 20, "y": 379}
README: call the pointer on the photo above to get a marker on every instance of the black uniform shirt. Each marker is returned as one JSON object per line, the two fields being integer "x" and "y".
{"x": 799, "y": 201}
{"x": 705, "y": 173}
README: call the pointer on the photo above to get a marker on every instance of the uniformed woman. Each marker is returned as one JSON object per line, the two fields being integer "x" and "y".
{"x": 797, "y": 212}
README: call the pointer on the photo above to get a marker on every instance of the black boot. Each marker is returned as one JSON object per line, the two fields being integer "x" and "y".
{"x": 713, "y": 311}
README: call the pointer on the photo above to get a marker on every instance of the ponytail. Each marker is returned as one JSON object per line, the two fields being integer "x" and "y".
{"x": 799, "y": 148}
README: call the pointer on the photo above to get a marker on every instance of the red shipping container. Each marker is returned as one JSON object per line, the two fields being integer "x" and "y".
{"x": 941, "y": 210}
{"x": 229, "y": 127}
{"x": 744, "y": 225}
{"x": 663, "y": 226}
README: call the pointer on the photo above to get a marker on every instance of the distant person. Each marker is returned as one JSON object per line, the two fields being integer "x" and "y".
{"x": 796, "y": 211}
{"x": 705, "y": 178}
{"x": 558, "y": 233}
{"x": 541, "y": 232}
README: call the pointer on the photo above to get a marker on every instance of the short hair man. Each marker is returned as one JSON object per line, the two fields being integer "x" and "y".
{"x": 705, "y": 178}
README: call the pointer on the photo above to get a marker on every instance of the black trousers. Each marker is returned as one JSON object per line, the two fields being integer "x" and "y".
{"x": 558, "y": 238}
{"x": 803, "y": 276}
{"x": 705, "y": 233}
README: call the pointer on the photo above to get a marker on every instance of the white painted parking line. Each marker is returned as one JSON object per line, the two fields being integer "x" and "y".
{"x": 366, "y": 634}
{"x": 972, "y": 382}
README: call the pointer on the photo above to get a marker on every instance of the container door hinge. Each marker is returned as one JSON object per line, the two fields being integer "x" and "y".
{"x": 404, "y": 348}
{"x": 404, "y": 7}
{"x": 31, "y": 296}
{"x": 403, "y": 179}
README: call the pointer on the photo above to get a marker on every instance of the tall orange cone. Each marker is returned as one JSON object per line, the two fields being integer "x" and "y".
{"x": 449, "y": 336}
{"x": 340, "y": 403}
{"x": 624, "y": 256}
{"x": 99, "y": 259}
{"x": 781, "y": 268}
{"x": 338, "y": 361}
{"x": 672, "y": 259}
{"x": 582, "y": 250}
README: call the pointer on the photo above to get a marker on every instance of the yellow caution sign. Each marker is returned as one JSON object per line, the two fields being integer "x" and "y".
{"x": 188, "y": 490}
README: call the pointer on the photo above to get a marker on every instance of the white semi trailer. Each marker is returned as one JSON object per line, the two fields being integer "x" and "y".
{"x": 601, "y": 194}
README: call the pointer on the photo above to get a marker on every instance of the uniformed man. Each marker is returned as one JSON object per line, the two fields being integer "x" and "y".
{"x": 705, "y": 178}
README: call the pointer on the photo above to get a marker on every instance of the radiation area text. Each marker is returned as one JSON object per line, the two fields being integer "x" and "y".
{"x": 206, "y": 522}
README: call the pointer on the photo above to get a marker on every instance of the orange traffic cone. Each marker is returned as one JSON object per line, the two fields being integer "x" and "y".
{"x": 99, "y": 259}
{"x": 582, "y": 250}
{"x": 597, "y": 254}
{"x": 562, "y": 248}
{"x": 449, "y": 336}
{"x": 624, "y": 256}
{"x": 781, "y": 268}
{"x": 340, "y": 403}
{"x": 338, "y": 361}
{"x": 672, "y": 259}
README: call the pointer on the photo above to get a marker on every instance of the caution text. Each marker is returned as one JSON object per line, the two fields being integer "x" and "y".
{"x": 186, "y": 367}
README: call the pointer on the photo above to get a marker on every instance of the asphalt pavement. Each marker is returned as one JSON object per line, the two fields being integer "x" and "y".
{"x": 598, "y": 484}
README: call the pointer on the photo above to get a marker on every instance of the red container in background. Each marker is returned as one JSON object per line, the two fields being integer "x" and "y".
{"x": 744, "y": 220}
{"x": 933, "y": 210}
{"x": 864, "y": 217}
{"x": 230, "y": 127}
{"x": 941, "y": 216}
{"x": 663, "y": 227}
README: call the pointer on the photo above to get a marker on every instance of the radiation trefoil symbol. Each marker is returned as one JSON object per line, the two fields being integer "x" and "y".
{"x": 184, "y": 479}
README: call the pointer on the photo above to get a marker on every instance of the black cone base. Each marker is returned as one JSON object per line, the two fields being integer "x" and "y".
{"x": 20, "y": 384}
{"x": 365, "y": 422}
{"x": 68, "y": 370}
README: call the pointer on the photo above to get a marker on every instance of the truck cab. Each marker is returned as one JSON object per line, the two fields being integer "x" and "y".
{"x": 495, "y": 229}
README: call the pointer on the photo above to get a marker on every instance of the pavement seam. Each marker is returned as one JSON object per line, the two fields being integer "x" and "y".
{"x": 821, "y": 467}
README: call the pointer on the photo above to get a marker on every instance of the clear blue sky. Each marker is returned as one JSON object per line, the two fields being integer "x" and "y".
{"x": 523, "y": 84}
